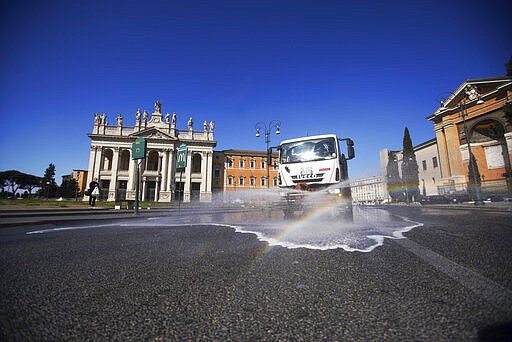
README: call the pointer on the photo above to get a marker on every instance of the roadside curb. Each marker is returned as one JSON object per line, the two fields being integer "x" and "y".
{"x": 503, "y": 207}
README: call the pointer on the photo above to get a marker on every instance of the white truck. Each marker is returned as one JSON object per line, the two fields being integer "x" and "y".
{"x": 313, "y": 173}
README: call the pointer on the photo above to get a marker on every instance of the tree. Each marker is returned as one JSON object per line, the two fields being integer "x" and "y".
{"x": 509, "y": 67}
{"x": 68, "y": 188}
{"x": 474, "y": 180}
{"x": 410, "y": 169}
{"x": 30, "y": 182}
{"x": 393, "y": 180}
{"x": 10, "y": 180}
{"x": 48, "y": 184}
{"x": 15, "y": 180}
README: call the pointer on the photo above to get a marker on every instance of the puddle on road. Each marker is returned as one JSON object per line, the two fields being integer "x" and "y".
{"x": 317, "y": 230}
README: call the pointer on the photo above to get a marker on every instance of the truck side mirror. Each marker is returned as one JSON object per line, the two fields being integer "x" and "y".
{"x": 350, "y": 149}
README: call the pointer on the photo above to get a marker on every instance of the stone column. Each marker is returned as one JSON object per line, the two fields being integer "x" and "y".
{"x": 204, "y": 170}
{"x": 98, "y": 166}
{"x": 165, "y": 162}
{"x": 453, "y": 150}
{"x": 157, "y": 188}
{"x": 113, "y": 178}
{"x": 90, "y": 168}
{"x": 209, "y": 175}
{"x": 444, "y": 163}
{"x": 188, "y": 177}
{"x": 171, "y": 176}
{"x": 130, "y": 186}
{"x": 143, "y": 188}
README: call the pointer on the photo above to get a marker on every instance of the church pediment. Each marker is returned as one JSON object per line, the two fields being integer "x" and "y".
{"x": 471, "y": 92}
{"x": 153, "y": 133}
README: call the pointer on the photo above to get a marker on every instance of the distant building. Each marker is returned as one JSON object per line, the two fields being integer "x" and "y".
{"x": 111, "y": 162}
{"x": 429, "y": 170}
{"x": 80, "y": 177}
{"x": 370, "y": 190}
{"x": 482, "y": 108}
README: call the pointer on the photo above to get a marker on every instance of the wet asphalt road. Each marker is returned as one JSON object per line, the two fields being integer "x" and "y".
{"x": 449, "y": 280}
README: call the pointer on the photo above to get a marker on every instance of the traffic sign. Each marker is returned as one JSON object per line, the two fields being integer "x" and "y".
{"x": 182, "y": 157}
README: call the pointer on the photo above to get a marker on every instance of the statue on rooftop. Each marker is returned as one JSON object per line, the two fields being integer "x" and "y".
{"x": 158, "y": 106}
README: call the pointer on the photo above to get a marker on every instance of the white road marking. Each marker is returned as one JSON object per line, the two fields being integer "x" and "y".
{"x": 497, "y": 295}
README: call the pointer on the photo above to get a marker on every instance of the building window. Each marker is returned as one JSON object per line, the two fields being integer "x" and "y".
{"x": 253, "y": 181}
{"x": 230, "y": 162}
{"x": 152, "y": 161}
{"x": 275, "y": 181}
{"x": 230, "y": 180}
{"x": 241, "y": 181}
{"x": 217, "y": 172}
{"x": 253, "y": 164}
{"x": 434, "y": 161}
{"x": 241, "y": 163}
{"x": 263, "y": 181}
{"x": 263, "y": 164}
{"x": 124, "y": 163}
{"x": 424, "y": 163}
{"x": 107, "y": 159}
{"x": 196, "y": 163}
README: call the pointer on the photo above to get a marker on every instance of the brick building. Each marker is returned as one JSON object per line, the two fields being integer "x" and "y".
{"x": 236, "y": 170}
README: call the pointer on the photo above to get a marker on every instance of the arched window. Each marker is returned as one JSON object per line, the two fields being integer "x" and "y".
{"x": 486, "y": 130}
{"x": 107, "y": 159}
{"x": 196, "y": 163}
{"x": 124, "y": 160}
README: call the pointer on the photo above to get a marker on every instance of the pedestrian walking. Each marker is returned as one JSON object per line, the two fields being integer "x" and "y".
{"x": 93, "y": 192}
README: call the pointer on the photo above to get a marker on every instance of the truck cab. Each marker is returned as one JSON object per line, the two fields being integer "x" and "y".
{"x": 315, "y": 164}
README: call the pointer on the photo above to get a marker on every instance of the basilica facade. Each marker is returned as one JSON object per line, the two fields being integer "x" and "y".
{"x": 111, "y": 163}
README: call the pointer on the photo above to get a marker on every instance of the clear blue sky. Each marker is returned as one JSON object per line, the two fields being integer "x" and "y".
{"x": 362, "y": 69}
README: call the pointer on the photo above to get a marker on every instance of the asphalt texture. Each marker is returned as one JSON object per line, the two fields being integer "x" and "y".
{"x": 121, "y": 278}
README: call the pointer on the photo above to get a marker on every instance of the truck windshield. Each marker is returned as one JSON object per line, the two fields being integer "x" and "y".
{"x": 308, "y": 150}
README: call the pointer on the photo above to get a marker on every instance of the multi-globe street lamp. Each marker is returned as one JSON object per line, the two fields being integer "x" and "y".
{"x": 441, "y": 98}
{"x": 261, "y": 126}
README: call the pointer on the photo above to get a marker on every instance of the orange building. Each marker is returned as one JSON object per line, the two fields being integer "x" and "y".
{"x": 235, "y": 170}
{"x": 482, "y": 109}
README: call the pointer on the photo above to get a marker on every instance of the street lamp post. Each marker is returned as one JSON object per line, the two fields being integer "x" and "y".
{"x": 274, "y": 124}
{"x": 463, "y": 110}
{"x": 77, "y": 179}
